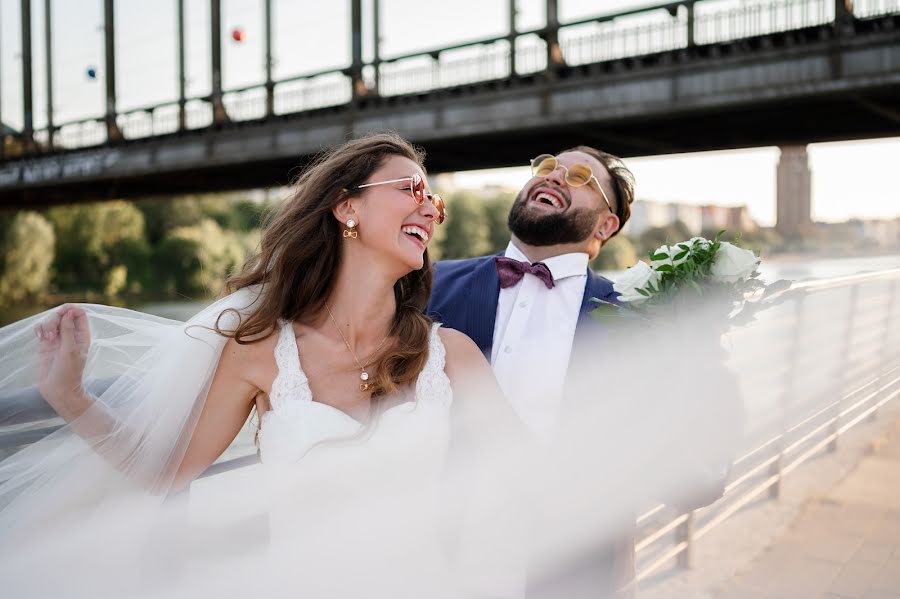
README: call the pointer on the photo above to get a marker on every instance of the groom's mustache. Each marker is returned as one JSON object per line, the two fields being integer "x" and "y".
{"x": 556, "y": 190}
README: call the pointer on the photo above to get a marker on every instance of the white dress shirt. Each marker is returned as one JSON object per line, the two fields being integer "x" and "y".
{"x": 533, "y": 337}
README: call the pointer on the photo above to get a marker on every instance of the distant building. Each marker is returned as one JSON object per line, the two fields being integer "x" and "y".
{"x": 647, "y": 214}
{"x": 881, "y": 233}
{"x": 872, "y": 234}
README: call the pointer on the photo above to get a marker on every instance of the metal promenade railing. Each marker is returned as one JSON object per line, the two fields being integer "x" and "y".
{"x": 853, "y": 385}
{"x": 601, "y": 39}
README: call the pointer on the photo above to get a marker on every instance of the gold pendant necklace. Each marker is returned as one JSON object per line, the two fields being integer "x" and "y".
{"x": 365, "y": 385}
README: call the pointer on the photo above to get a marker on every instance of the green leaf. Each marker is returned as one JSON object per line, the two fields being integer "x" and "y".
{"x": 680, "y": 255}
{"x": 642, "y": 292}
{"x": 665, "y": 268}
{"x": 658, "y": 256}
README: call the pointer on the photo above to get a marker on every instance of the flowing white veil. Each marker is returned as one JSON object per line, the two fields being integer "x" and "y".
{"x": 150, "y": 377}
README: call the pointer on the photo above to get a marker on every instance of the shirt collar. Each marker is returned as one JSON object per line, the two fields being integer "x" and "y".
{"x": 562, "y": 266}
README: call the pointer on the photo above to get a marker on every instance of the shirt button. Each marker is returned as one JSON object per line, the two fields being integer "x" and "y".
{"x": 523, "y": 303}
{"x": 507, "y": 349}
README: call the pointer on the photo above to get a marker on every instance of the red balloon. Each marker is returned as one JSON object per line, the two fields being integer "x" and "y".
{"x": 237, "y": 34}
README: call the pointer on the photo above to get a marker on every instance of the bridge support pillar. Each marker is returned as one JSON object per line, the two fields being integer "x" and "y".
{"x": 794, "y": 182}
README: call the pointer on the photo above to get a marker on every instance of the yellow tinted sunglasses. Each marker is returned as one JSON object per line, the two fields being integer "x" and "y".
{"x": 577, "y": 175}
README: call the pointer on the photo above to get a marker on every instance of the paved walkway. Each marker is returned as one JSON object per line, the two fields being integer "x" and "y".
{"x": 844, "y": 545}
{"x": 834, "y": 534}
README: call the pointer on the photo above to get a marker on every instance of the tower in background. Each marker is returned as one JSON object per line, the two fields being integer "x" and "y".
{"x": 794, "y": 210}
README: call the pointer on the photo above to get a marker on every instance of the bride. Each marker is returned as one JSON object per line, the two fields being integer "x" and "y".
{"x": 323, "y": 335}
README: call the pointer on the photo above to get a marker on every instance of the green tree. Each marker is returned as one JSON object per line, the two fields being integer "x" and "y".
{"x": 617, "y": 254}
{"x": 656, "y": 236}
{"x": 28, "y": 251}
{"x": 496, "y": 215}
{"x": 465, "y": 232}
{"x": 196, "y": 260}
{"x": 230, "y": 211}
{"x": 87, "y": 237}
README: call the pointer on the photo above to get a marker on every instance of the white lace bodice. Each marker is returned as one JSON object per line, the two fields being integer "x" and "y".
{"x": 296, "y": 422}
{"x": 348, "y": 505}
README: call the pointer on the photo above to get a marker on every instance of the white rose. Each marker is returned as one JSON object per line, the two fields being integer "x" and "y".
{"x": 636, "y": 277}
{"x": 670, "y": 251}
{"x": 733, "y": 264}
{"x": 703, "y": 242}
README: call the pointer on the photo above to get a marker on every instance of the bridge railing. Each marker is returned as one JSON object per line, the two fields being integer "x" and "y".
{"x": 645, "y": 31}
{"x": 818, "y": 397}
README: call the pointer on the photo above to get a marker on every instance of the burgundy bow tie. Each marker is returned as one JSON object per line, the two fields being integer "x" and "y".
{"x": 511, "y": 272}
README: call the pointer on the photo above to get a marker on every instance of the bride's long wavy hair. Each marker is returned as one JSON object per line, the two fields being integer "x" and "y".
{"x": 300, "y": 252}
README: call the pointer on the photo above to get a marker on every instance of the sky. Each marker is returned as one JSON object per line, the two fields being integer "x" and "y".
{"x": 850, "y": 179}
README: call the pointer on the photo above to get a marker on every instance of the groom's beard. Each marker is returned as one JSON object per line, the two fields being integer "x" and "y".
{"x": 573, "y": 225}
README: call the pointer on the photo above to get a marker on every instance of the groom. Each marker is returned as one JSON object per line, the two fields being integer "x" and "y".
{"x": 526, "y": 309}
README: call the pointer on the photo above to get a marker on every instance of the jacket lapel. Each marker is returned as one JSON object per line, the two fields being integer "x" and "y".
{"x": 484, "y": 292}
{"x": 595, "y": 287}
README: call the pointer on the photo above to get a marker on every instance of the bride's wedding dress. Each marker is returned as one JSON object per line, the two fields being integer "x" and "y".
{"x": 351, "y": 510}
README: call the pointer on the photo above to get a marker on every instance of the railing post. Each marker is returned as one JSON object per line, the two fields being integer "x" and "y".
{"x": 845, "y": 358}
{"x": 512, "y": 36}
{"x": 270, "y": 84}
{"x": 555, "y": 58}
{"x": 219, "y": 114}
{"x": 885, "y": 343}
{"x": 109, "y": 44}
{"x": 27, "y": 93}
{"x": 777, "y": 468}
{"x": 376, "y": 46}
{"x": 685, "y": 534}
{"x": 182, "y": 82}
{"x": 843, "y": 14}
{"x": 48, "y": 51}
{"x": 435, "y": 70}
{"x": 691, "y": 33}
{"x": 2, "y": 126}
{"x": 358, "y": 86}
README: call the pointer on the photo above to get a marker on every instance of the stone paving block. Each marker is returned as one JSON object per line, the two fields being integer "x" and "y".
{"x": 782, "y": 571}
{"x": 866, "y": 485}
{"x": 822, "y": 544}
{"x": 854, "y": 580}
{"x": 887, "y": 532}
{"x": 876, "y": 553}
{"x": 881, "y": 595}
{"x": 888, "y": 577}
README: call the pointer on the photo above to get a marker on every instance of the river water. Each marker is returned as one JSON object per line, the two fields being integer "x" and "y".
{"x": 793, "y": 268}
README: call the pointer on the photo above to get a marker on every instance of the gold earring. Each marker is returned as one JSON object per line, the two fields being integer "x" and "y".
{"x": 350, "y": 231}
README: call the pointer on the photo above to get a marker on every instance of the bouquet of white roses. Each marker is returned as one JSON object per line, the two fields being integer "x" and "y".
{"x": 681, "y": 273}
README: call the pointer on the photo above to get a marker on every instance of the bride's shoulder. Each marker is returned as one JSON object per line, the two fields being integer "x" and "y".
{"x": 462, "y": 353}
{"x": 253, "y": 358}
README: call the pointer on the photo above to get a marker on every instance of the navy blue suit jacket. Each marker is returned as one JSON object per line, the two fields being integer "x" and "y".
{"x": 464, "y": 297}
